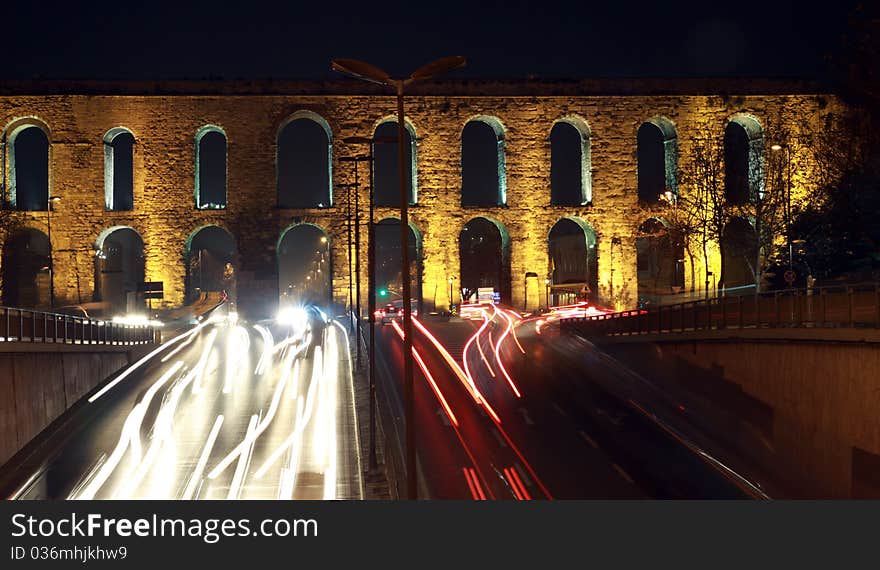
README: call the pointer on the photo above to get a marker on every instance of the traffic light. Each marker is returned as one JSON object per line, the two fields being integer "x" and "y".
{"x": 383, "y": 292}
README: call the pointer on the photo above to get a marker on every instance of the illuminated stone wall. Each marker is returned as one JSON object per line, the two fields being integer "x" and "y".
{"x": 165, "y": 123}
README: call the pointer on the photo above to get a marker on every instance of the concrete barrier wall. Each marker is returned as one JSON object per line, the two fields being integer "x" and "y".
{"x": 817, "y": 403}
{"x": 37, "y": 387}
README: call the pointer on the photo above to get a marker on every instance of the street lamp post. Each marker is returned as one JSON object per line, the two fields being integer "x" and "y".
{"x": 368, "y": 72}
{"x": 371, "y": 285}
{"x": 348, "y": 226}
{"x": 357, "y": 245}
{"x": 49, "y": 202}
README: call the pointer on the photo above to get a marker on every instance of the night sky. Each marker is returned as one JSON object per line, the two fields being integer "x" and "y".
{"x": 506, "y": 38}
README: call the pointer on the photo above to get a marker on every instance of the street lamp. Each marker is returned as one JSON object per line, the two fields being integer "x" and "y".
{"x": 371, "y": 286}
{"x": 348, "y": 186}
{"x": 368, "y": 72}
{"x": 357, "y": 244}
{"x": 50, "y": 201}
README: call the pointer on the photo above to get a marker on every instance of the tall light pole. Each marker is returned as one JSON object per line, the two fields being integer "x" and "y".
{"x": 368, "y": 72}
{"x": 371, "y": 286}
{"x": 357, "y": 245}
{"x": 348, "y": 186}
{"x": 49, "y": 202}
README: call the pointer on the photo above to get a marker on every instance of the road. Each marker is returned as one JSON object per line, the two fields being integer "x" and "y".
{"x": 227, "y": 410}
{"x": 501, "y": 415}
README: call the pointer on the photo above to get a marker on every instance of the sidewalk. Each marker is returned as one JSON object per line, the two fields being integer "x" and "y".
{"x": 376, "y": 485}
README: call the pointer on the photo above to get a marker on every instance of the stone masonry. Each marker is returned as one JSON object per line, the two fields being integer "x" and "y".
{"x": 164, "y": 118}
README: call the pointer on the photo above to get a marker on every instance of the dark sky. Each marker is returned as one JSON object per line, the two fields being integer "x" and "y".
{"x": 509, "y": 38}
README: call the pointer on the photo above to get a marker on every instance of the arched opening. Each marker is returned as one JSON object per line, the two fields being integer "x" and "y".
{"x": 484, "y": 256}
{"x": 304, "y": 162}
{"x": 29, "y": 168}
{"x": 743, "y": 160}
{"x": 574, "y": 262}
{"x": 210, "y": 183}
{"x": 305, "y": 266}
{"x": 119, "y": 169}
{"x": 26, "y": 269}
{"x": 389, "y": 282}
{"x": 483, "y": 174}
{"x": 386, "y": 191}
{"x": 119, "y": 269}
{"x": 657, "y": 159}
{"x": 739, "y": 255}
{"x": 570, "y": 176}
{"x": 659, "y": 262}
{"x": 211, "y": 263}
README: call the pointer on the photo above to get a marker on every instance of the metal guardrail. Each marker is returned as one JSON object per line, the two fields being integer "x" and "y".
{"x": 25, "y": 325}
{"x": 852, "y": 306}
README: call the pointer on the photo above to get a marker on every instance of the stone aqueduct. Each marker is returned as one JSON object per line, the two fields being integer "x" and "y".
{"x": 165, "y": 120}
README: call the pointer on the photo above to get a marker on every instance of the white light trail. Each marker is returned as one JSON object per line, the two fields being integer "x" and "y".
{"x": 140, "y": 362}
{"x": 132, "y": 426}
{"x": 300, "y": 425}
{"x": 243, "y": 461}
{"x": 248, "y": 441}
{"x": 196, "y": 476}
{"x": 268, "y": 345}
{"x": 162, "y": 428}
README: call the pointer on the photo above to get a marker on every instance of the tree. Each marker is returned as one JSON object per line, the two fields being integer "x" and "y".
{"x": 767, "y": 207}
{"x": 699, "y": 215}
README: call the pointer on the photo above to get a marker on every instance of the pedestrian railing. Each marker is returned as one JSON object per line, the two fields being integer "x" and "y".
{"x": 25, "y": 325}
{"x": 844, "y": 306}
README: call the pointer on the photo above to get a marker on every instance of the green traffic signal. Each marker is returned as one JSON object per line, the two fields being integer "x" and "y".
{"x": 383, "y": 292}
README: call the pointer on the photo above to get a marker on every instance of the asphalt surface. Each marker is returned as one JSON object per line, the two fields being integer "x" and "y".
{"x": 230, "y": 410}
{"x": 504, "y": 412}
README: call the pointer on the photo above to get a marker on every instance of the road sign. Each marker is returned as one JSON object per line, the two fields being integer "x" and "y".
{"x": 152, "y": 289}
{"x": 790, "y": 276}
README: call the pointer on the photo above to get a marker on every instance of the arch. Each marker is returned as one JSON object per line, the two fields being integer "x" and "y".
{"x": 211, "y": 262}
{"x": 387, "y": 251}
{"x": 119, "y": 268}
{"x": 210, "y": 168}
{"x": 26, "y": 269}
{"x": 118, "y": 169}
{"x": 484, "y": 257}
{"x": 657, "y": 152}
{"x": 570, "y": 162}
{"x": 304, "y": 162}
{"x": 739, "y": 254}
{"x": 29, "y": 178}
{"x": 743, "y": 159}
{"x": 659, "y": 261}
{"x": 386, "y": 183}
{"x": 572, "y": 250}
{"x": 305, "y": 265}
{"x": 483, "y": 168}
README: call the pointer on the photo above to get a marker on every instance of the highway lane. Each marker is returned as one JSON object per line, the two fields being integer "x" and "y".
{"x": 564, "y": 457}
{"x": 232, "y": 410}
{"x": 462, "y": 452}
{"x": 556, "y": 417}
